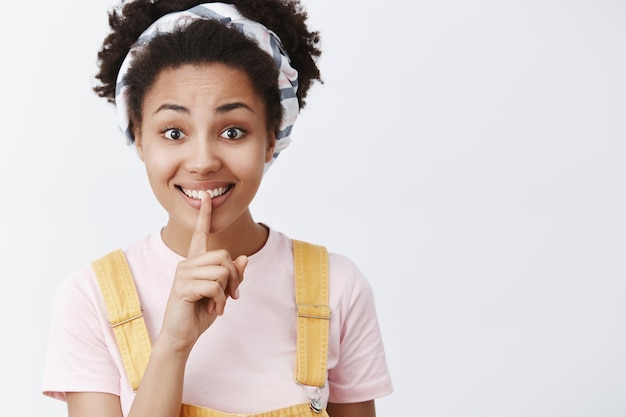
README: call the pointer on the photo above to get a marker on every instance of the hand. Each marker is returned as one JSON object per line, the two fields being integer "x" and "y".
{"x": 203, "y": 283}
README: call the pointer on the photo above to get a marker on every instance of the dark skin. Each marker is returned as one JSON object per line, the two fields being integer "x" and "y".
{"x": 364, "y": 409}
{"x": 204, "y": 279}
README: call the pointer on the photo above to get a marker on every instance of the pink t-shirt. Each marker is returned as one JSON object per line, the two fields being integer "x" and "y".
{"x": 244, "y": 363}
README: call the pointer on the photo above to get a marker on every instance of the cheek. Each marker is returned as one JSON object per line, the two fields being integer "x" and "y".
{"x": 249, "y": 159}
{"x": 247, "y": 169}
{"x": 158, "y": 164}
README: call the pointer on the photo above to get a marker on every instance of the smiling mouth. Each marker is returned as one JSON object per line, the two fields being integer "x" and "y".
{"x": 216, "y": 192}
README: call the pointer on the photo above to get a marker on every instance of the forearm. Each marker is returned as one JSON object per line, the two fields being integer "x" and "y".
{"x": 161, "y": 388}
{"x": 364, "y": 409}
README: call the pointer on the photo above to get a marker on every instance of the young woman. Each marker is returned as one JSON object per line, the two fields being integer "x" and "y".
{"x": 215, "y": 314}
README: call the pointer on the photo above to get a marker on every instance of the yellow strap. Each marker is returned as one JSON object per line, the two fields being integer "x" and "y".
{"x": 299, "y": 410}
{"x": 125, "y": 315}
{"x": 311, "y": 270}
{"x": 313, "y": 314}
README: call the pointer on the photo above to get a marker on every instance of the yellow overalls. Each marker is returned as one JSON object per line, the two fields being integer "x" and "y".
{"x": 313, "y": 318}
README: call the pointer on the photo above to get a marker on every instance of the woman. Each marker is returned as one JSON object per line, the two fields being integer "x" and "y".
{"x": 208, "y": 93}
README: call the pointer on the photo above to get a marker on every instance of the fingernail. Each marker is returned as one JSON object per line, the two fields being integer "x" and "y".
{"x": 237, "y": 292}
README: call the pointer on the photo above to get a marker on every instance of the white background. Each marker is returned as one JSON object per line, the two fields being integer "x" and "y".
{"x": 468, "y": 155}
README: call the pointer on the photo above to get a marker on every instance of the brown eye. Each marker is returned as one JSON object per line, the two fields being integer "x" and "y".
{"x": 232, "y": 133}
{"x": 174, "y": 134}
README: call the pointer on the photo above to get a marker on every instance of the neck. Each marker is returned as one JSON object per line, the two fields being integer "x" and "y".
{"x": 243, "y": 237}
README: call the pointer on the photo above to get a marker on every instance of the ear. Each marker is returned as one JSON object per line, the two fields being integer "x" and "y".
{"x": 138, "y": 143}
{"x": 271, "y": 144}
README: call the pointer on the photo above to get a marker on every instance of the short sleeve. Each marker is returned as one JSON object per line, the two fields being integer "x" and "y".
{"x": 78, "y": 358}
{"x": 361, "y": 372}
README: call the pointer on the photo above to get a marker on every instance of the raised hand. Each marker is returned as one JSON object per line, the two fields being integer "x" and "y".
{"x": 203, "y": 283}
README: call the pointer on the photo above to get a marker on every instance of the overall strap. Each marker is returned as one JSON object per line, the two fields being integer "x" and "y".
{"x": 125, "y": 315}
{"x": 313, "y": 313}
{"x": 311, "y": 283}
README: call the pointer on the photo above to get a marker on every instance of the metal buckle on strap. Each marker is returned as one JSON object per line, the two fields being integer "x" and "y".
{"x": 315, "y": 400}
{"x": 119, "y": 323}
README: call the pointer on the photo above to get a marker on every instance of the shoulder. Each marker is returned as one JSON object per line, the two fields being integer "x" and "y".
{"x": 81, "y": 286}
{"x": 341, "y": 267}
{"x": 78, "y": 288}
{"x": 347, "y": 281}
{"x": 350, "y": 290}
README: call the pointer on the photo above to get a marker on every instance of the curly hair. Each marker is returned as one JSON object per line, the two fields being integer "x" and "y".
{"x": 286, "y": 18}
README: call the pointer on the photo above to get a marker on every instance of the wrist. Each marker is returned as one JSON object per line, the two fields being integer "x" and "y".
{"x": 171, "y": 349}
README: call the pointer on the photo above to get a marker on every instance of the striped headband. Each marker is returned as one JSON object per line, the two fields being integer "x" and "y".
{"x": 227, "y": 14}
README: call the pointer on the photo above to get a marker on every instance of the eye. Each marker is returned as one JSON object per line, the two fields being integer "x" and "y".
{"x": 233, "y": 133}
{"x": 173, "y": 134}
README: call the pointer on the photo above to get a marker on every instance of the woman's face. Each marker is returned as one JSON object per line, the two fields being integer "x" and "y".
{"x": 204, "y": 128}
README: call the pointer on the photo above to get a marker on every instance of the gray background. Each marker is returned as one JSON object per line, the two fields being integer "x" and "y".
{"x": 468, "y": 155}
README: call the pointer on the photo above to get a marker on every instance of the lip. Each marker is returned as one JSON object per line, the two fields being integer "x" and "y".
{"x": 212, "y": 188}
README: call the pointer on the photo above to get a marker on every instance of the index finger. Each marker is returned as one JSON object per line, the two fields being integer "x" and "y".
{"x": 200, "y": 237}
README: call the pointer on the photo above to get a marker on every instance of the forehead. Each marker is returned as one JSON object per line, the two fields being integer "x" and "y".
{"x": 201, "y": 85}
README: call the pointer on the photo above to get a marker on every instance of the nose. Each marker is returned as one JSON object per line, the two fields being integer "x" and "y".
{"x": 202, "y": 156}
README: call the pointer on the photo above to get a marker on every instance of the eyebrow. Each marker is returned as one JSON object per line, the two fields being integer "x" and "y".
{"x": 173, "y": 107}
{"x": 224, "y": 108}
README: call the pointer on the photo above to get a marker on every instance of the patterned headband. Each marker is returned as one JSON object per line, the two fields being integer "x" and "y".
{"x": 227, "y": 14}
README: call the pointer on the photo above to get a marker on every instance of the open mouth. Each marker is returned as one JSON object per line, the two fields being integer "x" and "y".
{"x": 216, "y": 192}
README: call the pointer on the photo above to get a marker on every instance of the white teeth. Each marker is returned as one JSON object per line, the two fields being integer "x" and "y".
{"x": 195, "y": 194}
